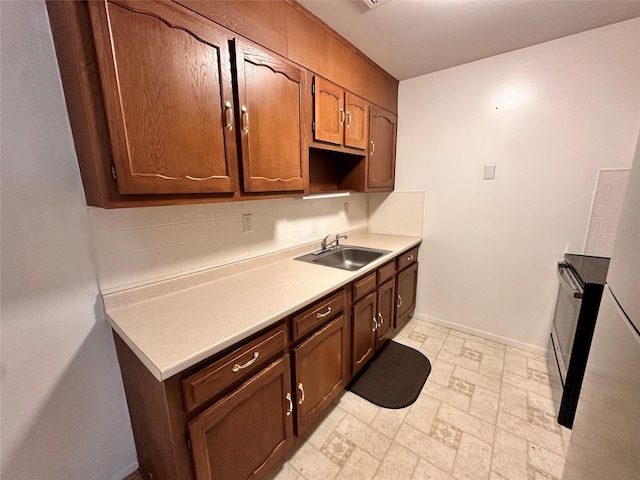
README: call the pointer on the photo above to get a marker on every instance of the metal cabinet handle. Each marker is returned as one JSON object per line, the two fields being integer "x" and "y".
{"x": 228, "y": 112}
{"x": 301, "y": 388}
{"x": 381, "y": 318}
{"x": 320, "y": 315}
{"x": 375, "y": 322}
{"x": 288, "y": 397}
{"x": 410, "y": 257}
{"x": 342, "y": 116}
{"x": 245, "y": 119}
{"x": 237, "y": 367}
{"x": 373, "y": 148}
{"x": 399, "y": 301}
{"x": 348, "y": 118}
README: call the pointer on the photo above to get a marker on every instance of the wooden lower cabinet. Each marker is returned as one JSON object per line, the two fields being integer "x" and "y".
{"x": 321, "y": 365}
{"x": 407, "y": 282}
{"x": 206, "y": 423}
{"x": 364, "y": 332}
{"x": 386, "y": 307}
{"x": 247, "y": 432}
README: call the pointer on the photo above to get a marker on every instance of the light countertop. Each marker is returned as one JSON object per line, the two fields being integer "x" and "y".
{"x": 172, "y": 332}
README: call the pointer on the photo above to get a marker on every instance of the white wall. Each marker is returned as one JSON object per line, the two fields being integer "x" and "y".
{"x": 64, "y": 415}
{"x": 549, "y": 116}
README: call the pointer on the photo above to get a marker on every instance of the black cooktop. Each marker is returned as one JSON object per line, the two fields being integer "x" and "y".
{"x": 589, "y": 269}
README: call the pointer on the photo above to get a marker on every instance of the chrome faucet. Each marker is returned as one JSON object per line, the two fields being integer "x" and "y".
{"x": 324, "y": 245}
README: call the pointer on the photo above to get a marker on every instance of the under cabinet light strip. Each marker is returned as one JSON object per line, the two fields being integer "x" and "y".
{"x": 326, "y": 195}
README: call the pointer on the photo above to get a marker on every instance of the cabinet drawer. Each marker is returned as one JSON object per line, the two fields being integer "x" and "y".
{"x": 386, "y": 272}
{"x": 364, "y": 285}
{"x": 318, "y": 313}
{"x": 239, "y": 364}
{"x": 407, "y": 258}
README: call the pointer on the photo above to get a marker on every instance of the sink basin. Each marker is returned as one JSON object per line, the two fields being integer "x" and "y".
{"x": 345, "y": 257}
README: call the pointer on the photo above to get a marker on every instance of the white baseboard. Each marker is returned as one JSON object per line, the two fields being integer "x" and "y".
{"x": 125, "y": 472}
{"x": 480, "y": 333}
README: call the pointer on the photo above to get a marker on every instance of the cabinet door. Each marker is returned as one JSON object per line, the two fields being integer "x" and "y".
{"x": 270, "y": 92}
{"x": 386, "y": 309}
{"x": 247, "y": 432}
{"x": 381, "y": 168}
{"x": 357, "y": 123}
{"x": 166, "y": 83}
{"x": 328, "y": 111}
{"x": 406, "y": 290}
{"x": 364, "y": 331}
{"x": 321, "y": 371}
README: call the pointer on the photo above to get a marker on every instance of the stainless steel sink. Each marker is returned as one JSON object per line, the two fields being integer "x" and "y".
{"x": 345, "y": 257}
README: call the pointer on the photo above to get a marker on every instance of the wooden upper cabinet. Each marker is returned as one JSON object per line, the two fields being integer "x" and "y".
{"x": 357, "y": 123}
{"x": 166, "y": 83}
{"x": 287, "y": 28}
{"x": 154, "y": 92}
{"x": 381, "y": 167}
{"x": 329, "y": 115}
{"x": 271, "y": 112}
{"x": 339, "y": 117}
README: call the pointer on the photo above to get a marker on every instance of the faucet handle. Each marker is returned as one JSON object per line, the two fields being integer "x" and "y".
{"x": 338, "y": 237}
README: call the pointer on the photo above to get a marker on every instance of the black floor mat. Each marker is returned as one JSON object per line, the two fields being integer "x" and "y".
{"x": 394, "y": 378}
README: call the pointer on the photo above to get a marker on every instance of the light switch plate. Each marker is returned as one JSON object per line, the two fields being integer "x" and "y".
{"x": 489, "y": 172}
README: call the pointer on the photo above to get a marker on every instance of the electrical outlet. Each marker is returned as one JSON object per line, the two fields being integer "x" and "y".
{"x": 346, "y": 208}
{"x": 246, "y": 222}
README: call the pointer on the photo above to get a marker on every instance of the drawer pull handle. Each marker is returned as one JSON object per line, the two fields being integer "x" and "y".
{"x": 381, "y": 318}
{"x": 399, "y": 301}
{"x": 301, "y": 388}
{"x": 348, "y": 119}
{"x": 237, "y": 367}
{"x": 245, "y": 119}
{"x": 375, "y": 323}
{"x": 229, "y": 115}
{"x": 410, "y": 257}
{"x": 342, "y": 117}
{"x": 288, "y": 397}
{"x": 320, "y": 315}
{"x": 373, "y": 148}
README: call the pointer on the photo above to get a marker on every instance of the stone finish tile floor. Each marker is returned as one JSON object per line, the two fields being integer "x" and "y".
{"x": 485, "y": 413}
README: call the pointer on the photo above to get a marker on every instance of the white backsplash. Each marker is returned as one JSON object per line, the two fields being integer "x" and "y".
{"x": 396, "y": 213}
{"x": 605, "y": 211}
{"x": 139, "y": 246}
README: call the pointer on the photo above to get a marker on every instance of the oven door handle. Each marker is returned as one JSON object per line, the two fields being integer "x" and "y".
{"x": 568, "y": 281}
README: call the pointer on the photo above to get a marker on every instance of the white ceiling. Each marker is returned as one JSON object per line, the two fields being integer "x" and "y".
{"x": 409, "y": 38}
